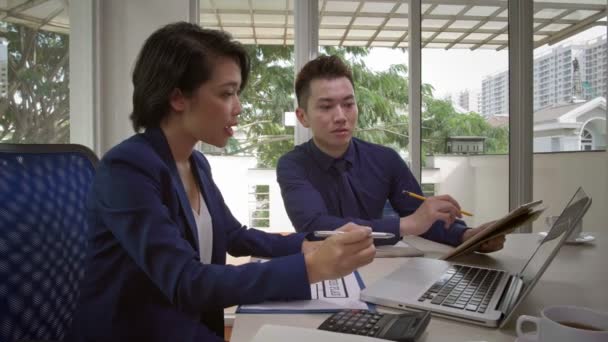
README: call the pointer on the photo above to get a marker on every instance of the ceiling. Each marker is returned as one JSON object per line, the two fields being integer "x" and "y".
{"x": 48, "y": 15}
{"x": 446, "y": 24}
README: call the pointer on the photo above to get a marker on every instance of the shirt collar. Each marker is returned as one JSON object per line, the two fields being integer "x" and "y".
{"x": 326, "y": 161}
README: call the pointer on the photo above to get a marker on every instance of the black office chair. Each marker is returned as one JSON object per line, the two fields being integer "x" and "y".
{"x": 43, "y": 192}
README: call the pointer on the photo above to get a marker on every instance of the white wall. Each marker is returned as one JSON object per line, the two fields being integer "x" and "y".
{"x": 558, "y": 175}
{"x": 234, "y": 177}
{"x": 479, "y": 183}
{"x": 279, "y": 221}
{"x": 543, "y": 144}
{"x": 231, "y": 176}
{"x": 570, "y": 143}
{"x": 123, "y": 27}
{"x": 82, "y": 71}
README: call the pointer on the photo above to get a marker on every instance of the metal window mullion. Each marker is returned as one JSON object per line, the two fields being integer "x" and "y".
{"x": 521, "y": 49}
{"x": 194, "y": 13}
{"x": 306, "y": 17}
{"x": 415, "y": 90}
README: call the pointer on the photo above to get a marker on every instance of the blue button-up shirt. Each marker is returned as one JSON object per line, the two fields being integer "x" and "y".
{"x": 312, "y": 192}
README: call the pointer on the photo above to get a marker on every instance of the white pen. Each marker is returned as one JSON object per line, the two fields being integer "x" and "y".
{"x": 375, "y": 235}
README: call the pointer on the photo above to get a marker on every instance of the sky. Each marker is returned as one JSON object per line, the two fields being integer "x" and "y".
{"x": 452, "y": 71}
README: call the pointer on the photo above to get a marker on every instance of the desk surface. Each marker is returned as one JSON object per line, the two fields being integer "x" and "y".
{"x": 577, "y": 276}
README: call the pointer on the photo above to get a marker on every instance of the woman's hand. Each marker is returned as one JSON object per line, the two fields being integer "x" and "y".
{"x": 339, "y": 255}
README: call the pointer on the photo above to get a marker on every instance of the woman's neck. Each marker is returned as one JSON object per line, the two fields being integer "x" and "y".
{"x": 180, "y": 143}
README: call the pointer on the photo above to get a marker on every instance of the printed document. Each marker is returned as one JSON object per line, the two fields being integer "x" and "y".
{"x": 326, "y": 296}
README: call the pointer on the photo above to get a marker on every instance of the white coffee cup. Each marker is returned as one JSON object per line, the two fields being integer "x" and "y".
{"x": 550, "y": 221}
{"x": 565, "y": 324}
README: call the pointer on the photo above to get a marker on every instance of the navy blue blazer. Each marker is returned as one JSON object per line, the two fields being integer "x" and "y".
{"x": 144, "y": 280}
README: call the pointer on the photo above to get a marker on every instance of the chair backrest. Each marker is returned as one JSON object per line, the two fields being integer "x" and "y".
{"x": 43, "y": 192}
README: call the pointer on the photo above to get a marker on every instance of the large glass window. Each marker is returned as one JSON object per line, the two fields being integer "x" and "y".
{"x": 266, "y": 124}
{"x": 371, "y": 38}
{"x": 372, "y": 41}
{"x": 570, "y": 79}
{"x": 465, "y": 104}
{"x": 34, "y": 72}
{"x": 465, "y": 107}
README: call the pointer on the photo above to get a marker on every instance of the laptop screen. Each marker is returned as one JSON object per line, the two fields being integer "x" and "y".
{"x": 570, "y": 216}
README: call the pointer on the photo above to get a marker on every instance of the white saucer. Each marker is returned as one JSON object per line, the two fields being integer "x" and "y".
{"x": 580, "y": 239}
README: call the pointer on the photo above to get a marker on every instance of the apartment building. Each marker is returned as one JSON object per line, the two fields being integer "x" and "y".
{"x": 561, "y": 75}
{"x": 495, "y": 94}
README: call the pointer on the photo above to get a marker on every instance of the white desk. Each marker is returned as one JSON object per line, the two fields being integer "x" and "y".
{"x": 577, "y": 276}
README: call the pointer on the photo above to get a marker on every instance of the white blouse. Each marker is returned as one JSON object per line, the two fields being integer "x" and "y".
{"x": 205, "y": 231}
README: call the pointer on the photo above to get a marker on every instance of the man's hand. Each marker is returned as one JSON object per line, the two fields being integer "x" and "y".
{"x": 490, "y": 246}
{"x": 340, "y": 254}
{"x": 434, "y": 208}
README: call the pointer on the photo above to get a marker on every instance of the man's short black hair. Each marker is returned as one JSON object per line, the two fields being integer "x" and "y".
{"x": 322, "y": 67}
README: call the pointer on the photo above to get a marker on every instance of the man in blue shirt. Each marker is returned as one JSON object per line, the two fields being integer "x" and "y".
{"x": 334, "y": 178}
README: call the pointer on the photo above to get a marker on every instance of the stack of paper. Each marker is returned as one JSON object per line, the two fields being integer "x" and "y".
{"x": 326, "y": 296}
{"x": 279, "y": 333}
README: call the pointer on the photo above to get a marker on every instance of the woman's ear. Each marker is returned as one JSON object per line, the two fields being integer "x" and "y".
{"x": 177, "y": 100}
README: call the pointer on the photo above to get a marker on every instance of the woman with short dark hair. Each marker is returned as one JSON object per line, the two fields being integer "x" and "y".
{"x": 159, "y": 227}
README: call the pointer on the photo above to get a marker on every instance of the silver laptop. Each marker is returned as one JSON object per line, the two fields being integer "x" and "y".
{"x": 473, "y": 294}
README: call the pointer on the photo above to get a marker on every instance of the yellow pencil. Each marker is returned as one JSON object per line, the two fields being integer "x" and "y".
{"x": 422, "y": 198}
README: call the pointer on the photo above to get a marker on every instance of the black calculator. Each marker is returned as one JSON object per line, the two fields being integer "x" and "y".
{"x": 406, "y": 327}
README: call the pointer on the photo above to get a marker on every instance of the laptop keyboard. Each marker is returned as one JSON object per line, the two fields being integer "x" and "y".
{"x": 464, "y": 287}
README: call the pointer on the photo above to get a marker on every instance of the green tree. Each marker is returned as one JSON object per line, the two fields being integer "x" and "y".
{"x": 440, "y": 121}
{"x": 36, "y": 108}
{"x": 382, "y": 99}
{"x": 267, "y": 97}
